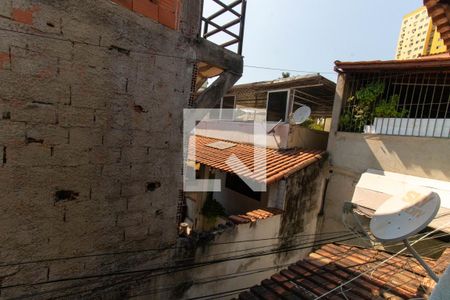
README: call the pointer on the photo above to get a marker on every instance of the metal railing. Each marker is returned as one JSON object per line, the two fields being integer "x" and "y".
{"x": 409, "y": 104}
{"x": 219, "y": 25}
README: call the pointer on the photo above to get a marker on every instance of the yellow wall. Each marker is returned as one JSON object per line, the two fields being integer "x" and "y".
{"x": 418, "y": 36}
{"x": 437, "y": 45}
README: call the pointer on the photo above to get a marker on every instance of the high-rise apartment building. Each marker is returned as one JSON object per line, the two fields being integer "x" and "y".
{"x": 418, "y": 36}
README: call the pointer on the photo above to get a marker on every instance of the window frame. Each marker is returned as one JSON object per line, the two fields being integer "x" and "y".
{"x": 287, "y": 103}
{"x": 221, "y": 106}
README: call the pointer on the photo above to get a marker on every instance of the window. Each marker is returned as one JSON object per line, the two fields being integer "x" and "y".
{"x": 277, "y": 106}
{"x": 225, "y": 102}
{"x": 228, "y": 102}
{"x": 235, "y": 183}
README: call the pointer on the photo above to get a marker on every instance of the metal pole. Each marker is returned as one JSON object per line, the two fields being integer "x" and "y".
{"x": 242, "y": 27}
{"x": 421, "y": 261}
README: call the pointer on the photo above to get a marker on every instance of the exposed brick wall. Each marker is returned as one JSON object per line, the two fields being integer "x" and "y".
{"x": 165, "y": 12}
{"x": 91, "y": 99}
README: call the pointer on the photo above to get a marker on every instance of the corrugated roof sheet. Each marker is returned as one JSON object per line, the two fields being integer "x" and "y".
{"x": 284, "y": 83}
{"x": 279, "y": 163}
{"x": 423, "y": 63}
{"x": 439, "y": 11}
{"x": 333, "y": 264}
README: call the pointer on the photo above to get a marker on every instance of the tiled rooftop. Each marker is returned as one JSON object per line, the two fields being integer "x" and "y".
{"x": 333, "y": 264}
{"x": 254, "y": 215}
{"x": 279, "y": 163}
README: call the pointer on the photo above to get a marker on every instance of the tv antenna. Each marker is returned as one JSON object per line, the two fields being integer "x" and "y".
{"x": 402, "y": 216}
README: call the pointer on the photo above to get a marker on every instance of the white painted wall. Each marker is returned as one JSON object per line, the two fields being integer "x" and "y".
{"x": 243, "y": 132}
{"x": 237, "y": 203}
{"x": 229, "y": 244}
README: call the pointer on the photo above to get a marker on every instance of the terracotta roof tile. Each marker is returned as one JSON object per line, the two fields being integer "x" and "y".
{"x": 254, "y": 215}
{"x": 279, "y": 163}
{"x": 332, "y": 264}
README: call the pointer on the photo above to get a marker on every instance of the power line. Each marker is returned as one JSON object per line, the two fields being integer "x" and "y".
{"x": 161, "y": 249}
{"x": 155, "y": 53}
{"x": 246, "y": 273}
{"x": 381, "y": 263}
{"x": 217, "y": 278}
{"x": 287, "y": 70}
{"x": 184, "y": 267}
{"x": 241, "y": 257}
{"x": 322, "y": 271}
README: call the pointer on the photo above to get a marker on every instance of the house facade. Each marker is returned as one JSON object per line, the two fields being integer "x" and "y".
{"x": 251, "y": 232}
{"x": 254, "y": 232}
{"x": 274, "y": 102}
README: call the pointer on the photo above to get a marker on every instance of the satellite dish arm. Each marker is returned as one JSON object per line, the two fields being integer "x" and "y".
{"x": 273, "y": 128}
{"x": 421, "y": 261}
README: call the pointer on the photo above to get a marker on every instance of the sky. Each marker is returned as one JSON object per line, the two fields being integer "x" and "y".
{"x": 309, "y": 35}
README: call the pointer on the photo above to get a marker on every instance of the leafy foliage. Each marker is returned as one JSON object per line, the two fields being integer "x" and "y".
{"x": 363, "y": 109}
{"x": 312, "y": 124}
{"x": 362, "y": 102}
{"x": 388, "y": 109}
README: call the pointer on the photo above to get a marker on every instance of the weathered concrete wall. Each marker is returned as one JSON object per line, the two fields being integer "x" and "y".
{"x": 304, "y": 195}
{"x": 273, "y": 242}
{"x": 301, "y": 137}
{"x": 91, "y": 99}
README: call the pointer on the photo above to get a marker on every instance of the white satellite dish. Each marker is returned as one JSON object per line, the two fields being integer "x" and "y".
{"x": 404, "y": 215}
{"x": 301, "y": 115}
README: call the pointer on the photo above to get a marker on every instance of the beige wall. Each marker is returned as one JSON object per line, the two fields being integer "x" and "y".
{"x": 353, "y": 153}
{"x": 229, "y": 244}
{"x": 301, "y": 137}
{"x": 417, "y": 156}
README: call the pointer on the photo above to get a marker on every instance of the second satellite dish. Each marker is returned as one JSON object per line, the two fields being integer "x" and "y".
{"x": 301, "y": 115}
{"x": 404, "y": 215}
{"x": 400, "y": 217}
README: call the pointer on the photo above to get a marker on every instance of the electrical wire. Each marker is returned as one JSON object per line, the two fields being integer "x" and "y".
{"x": 11, "y": 264}
{"x": 288, "y": 70}
{"x": 159, "y": 53}
{"x": 336, "y": 259}
{"x": 105, "y": 287}
{"x": 187, "y": 267}
{"x": 328, "y": 242}
{"x": 381, "y": 263}
{"x": 195, "y": 265}
{"x": 210, "y": 280}
{"x": 345, "y": 254}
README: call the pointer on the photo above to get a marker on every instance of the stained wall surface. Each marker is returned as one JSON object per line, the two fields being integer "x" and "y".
{"x": 91, "y": 99}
